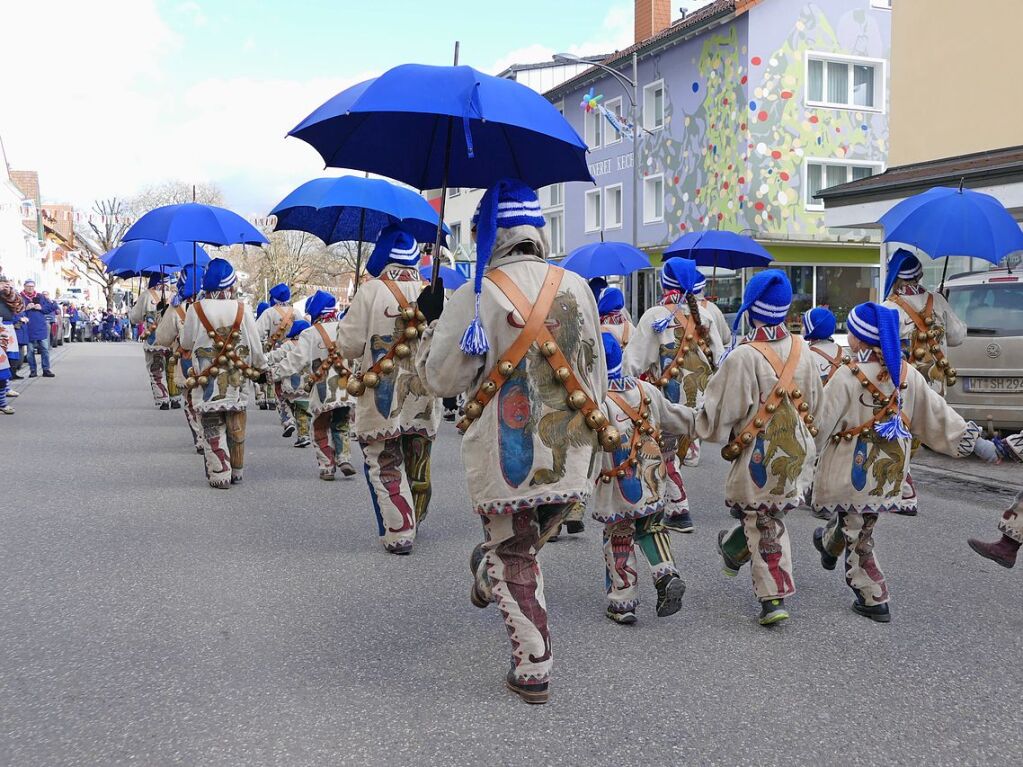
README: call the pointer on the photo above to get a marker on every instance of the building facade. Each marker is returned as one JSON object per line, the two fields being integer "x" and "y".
{"x": 747, "y": 109}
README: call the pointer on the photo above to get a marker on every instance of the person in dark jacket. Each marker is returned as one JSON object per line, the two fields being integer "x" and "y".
{"x": 37, "y": 306}
{"x": 12, "y": 314}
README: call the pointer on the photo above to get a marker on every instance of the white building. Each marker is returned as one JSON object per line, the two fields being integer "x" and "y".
{"x": 19, "y": 246}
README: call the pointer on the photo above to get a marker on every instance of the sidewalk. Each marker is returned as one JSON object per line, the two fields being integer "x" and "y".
{"x": 1007, "y": 477}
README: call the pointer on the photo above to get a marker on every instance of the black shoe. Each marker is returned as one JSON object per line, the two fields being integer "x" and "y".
{"x": 670, "y": 589}
{"x": 32, "y": 375}
{"x": 680, "y": 523}
{"x": 879, "y": 613}
{"x": 736, "y": 514}
{"x": 288, "y": 431}
{"x": 475, "y": 558}
{"x": 175, "y": 405}
{"x": 626, "y": 618}
{"x": 48, "y": 374}
{"x": 906, "y": 511}
{"x": 535, "y": 694}
{"x": 828, "y": 561}
{"x": 575, "y": 526}
{"x": 17, "y": 377}
{"x": 773, "y": 611}
{"x": 164, "y": 406}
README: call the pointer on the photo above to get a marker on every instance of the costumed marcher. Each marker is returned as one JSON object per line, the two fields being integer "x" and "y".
{"x": 262, "y": 390}
{"x": 168, "y": 335}
{"x": 676, "y": 347}
{"x": 273, "y": 325}
{"x": 523, "y": 340}
{"x": 317, "y": 356}
{"x": 928, "y": 327}
{"x": 219, "y": 336}
{"x": 762, "y": 402}
{"x": 1004, "y": 550}
{"x": 692, "y": 456}
{"x": 292, "y": 388}
{"x": 873, "y": 407}
{"x": 396, "y": 417}
{"x": 628, "y": 500}
{"x": 148, "y": 311}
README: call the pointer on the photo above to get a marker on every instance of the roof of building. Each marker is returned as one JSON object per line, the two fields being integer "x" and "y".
{"x": 687, "y": 25}
{"x": 547, "y": 64}
{"x": 973, "y": 169}
{"x": 28, "y": 182}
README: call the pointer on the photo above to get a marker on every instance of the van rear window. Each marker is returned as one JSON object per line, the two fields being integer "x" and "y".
{"x": 989, "y": 310}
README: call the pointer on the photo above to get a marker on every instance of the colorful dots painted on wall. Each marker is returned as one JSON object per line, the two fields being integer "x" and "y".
{"x": 776, "y": 154}
{"x": 675, "y": 180}
{"x": 743, "y": 80}
{"x": 755, "y": 61}
{"x": 863, "y": 127}
{"x": 696, "y": 87}
{"x": 783, "y": 176}
{"x": 682, "y": 227}
{"x": 758, "y": 205}
{"x": 724, "y": 185}
{"x": 753, "y": 106}
{"x": 742, "y": 179}
{"x": 762, "y": 116}
{"x": 814, "y": 119}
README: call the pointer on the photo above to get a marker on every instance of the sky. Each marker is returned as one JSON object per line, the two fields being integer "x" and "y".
{"x": 104, "y": 97}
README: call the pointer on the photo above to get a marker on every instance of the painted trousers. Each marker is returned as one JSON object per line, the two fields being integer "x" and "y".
{"x": 224, "y": 446}
{"x": 161, "y": 376}
{"x": 193, "y": 419}
{"x": 1011, "y": 523}
{"x": 510, "y": 576}
{"x": 853, "y": 533}
{"x": 265, "y": 394}
{"x": 330, "y": 440}
{"x": 283, "y": 409}
{"x": 673, "y": 489}
{"x": 621, "y": 540}
{"x": 762, "y": 540}
{"x": 300, "y": 412}
{"x": 398, "y": 474}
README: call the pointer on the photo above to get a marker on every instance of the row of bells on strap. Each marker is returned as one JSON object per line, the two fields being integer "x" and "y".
{"x": 645, "y": 427}
{"x": 734, "y": 449}
{"x": 674, "y": 371}
{"x": 227, "y": 359}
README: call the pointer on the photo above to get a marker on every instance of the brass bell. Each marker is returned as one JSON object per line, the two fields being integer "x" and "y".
{"x": 235, "y": 334}
{"x": 401, "y": 351}
{"x": 847, "y": 437}
{"x": 411, "y": 332}
{"x": 758, "y": 422}
{"x": 213, "y": 371}
{"x": 804, "y": 406}
{"x": 864, "y": 383}
{"x": 647, "y": 400}
{"x": 577, "y": 399}
{"x": 420, "y": 316}
{"x": 620, "y": 472}
{"x": 408, "y": 314}
{"x": 489, "y": 387}
{"x": 731, "y": 451}
{"x": 689, "y": 336}
{"x": 218, "y": 344}
{"x": 662, "y": 382}
{"x": 673, "y": 372}
{"x": 809, "y": 419}
{"x": 421, "y": 327}
{"x": 505, "y": 368}
{"x": 649, "y": 430}
{"x": 190, "y": 382}
{"x": 854, "y": 370}
{"x": 562, "y": 373}
{"x": 548, "y": 348}
{"x": 386, "y": 365}
{"x": 796, "y": 394}
{"x": 923, "y": 335}
{"x": 942, "y": 363}
{"x": 605, "y": 478}
{"x": 780, "y": 392}
{"x": 745, "y": 438}
{"x": 770, "y": 407}
{"x": 371, "y": 379}
{"x": 610, "y": 438}
{"x": 814, "y": 431}
{"x": 934, "y": 349}
{"x": 596, "y": 420}
{"x": 836, "y": 439}
{"x": 356, "y": 387}
{"x": 464, "y": 424}
{"x": 928, "y": 321}
{"x": 685, "y": 350}
{"x": 952, "y": 372}
{"x": 221, "y": 359}
{"x": 212, "y": 333}
{"x": 473, "y": 410}
{"x": 203, "y": 380}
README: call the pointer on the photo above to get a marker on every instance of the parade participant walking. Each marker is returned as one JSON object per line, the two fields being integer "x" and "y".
{"x": 628, "y": 500}
{"x": 1004, "y": 550}
{"x": 273, "y": 324}
{"x": 220, "y": 338}
{"x": 524, "y": 342}
{"x": 168, "y": 334}
{"x": 293, "y": 389}
{"x": 762, "y": 402}
{"x": 37, "y": 306}
{"x": 713, "y": 309}
{"x": 148, "y": 310}
{"x": 317, "y": 356}
{"x": 676, "y": 347}
{"x": 873, "y": 407}
{"x": 818, "y": 328}
{"x": 396, "y": 418}
{"x": 262, "y": 389}
{"x": 613, "y": 319}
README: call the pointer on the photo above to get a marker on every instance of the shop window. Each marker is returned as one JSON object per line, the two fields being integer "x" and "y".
{"x": 552, "y": 196}
{"x": 455, "y": 238}
{"x": 840, "y": 288}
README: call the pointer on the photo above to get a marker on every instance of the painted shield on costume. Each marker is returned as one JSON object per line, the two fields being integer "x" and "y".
{"x": 630, "y": 485}
{"x": 383, "y": 394}
{"x": 296, "y": 382}
{"x": 859, "y": 472}
{"x": 757, "y": 468}
{"x": 673, "y": 389}
{"x": 515, "y": 444}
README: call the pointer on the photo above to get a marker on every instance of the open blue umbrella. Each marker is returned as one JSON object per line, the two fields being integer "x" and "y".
{"x": 717, "y": 248}
{"x": 148, "y": 256}
{"x": 453, "y": 279}
{"x": 600, "y": 259}
{"x": 194, "y": 222}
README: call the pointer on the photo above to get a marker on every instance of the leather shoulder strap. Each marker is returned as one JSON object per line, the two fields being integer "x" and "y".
{"x": 180, "y": 311}
{"x": 203, "y": 319}
{"x": 629, "y": 410}
{"x": 327, "y": 340}
{"x": 916, "y": 317}
{"x": 398, "y": 295}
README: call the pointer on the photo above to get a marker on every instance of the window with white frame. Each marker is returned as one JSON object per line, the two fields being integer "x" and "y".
{"x": 614, "y": 106}
{"x": 592, "y": 205}
{"x": 454, "y": 191}
{"x": 552, "y": 196}
{"x": 455, "y": 238}
{"x": 653, "y": 199}
{"x": 883, "y": 4}
{"x": 556, "y": 232}
{"x": 653, "y": 105}
{"x": 594, "y": 125}
{"x": 844, "y": 81}
{"x": 613, "y": 206}
{"x": 821, "y": 174}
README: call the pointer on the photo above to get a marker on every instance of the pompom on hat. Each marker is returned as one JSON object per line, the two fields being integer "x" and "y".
{"x": 261, "y": 307}
{"x": 507, "y": 204}
{"x": 319, "y": 302}
{"x": 394, "y": 246}
{"x": 902, "y": 266}
{"x": 767, "y": 298}
{"x": 613, "y": 353}
{"x": 818, "y": 324}
{"x": 878, "y": 326}
{"x": 611, "y": 300}
{"x": 297, "y": 327}
{"x": 220, "y": 275}
{"x": 280, "y": 294}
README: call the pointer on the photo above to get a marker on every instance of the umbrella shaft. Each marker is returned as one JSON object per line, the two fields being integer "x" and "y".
{"x": 435, "y": 276}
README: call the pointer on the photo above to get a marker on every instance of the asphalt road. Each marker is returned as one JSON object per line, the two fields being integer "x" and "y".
{"x": 147, "y": 619}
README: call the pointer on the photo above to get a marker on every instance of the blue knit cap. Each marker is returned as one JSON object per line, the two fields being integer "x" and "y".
{"x": 261, "y": 307}
{"x": 394, "y": 246}
{"x": 597, "y": 285}
{"x": 679, "y": 274}
{"x": 280, "y": 294}
{"x": 700, "y": 285}
{"x": 818, "y": 324}
{"x": 610, "y": 300}
{"x": 613, "y": 353}
{"x": 156, "y": 280}
{"x": 297, "y": 327}
{"x": 507, "y": 204}
{"x": 320, "y": 302}
{"x": 767, "y": 298}
{"x": 220, "y": 275}
{"x": 190, "y": 280}
{"x": 878, "y": 326}
{"x": 902, "y": 266}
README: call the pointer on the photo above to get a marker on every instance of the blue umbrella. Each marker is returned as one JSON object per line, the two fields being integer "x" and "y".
{"x": 146, "y": 256}
{"x": 945, "y": 221}
{"x": 453, "y": 279}
{"x": 717, "y": 248}
{"x": 194, "y": 222}
{"x": 600, "y": 259}
{"x": 352, "y": 208}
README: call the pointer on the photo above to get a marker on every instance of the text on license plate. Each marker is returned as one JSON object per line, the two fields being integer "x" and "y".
{"x": 994, "y": 383}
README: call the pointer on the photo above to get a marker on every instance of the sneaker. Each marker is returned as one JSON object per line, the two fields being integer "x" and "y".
{"x": 475, "y": 558}
{"x": 670, "y": 589}
{"x": 477, "y": 597}
{"x": 692, "y": 455}
{"x": 625, "y": 618}
{"x": 773, "y": 611}
{"x": 220, "y": 484}
{"x": 575, "y": 526}
{"x": 7, "y": 410}
{"x": 679, "y": 523}
{"x": 48, "y": 374}
{"x": 175, "y": 405}
{"x": 449, "y": 415}
{"x": 327, "y": 475}
{"x": 12, "y": 394}
{"x": 828, "y": 561}
{"x": 906, "y": 509}
{"x": 535, "y": 693}
{"x": 288, "y": 431}
{"x": 164, "y": 406}
{"x": 303, "y": 442}
{"x": 879, "y": 613}
{"x": 347, "y": 470}
{"x": 198, "y": 449}
{"x": 401, "y": 549}
{"x": 17, "y": 377}
{"x": 236, "y": 477}
{"x": 731, "y": 567}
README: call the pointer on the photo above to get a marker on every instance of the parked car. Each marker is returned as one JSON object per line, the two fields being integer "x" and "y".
{"x": 990, "y": 360}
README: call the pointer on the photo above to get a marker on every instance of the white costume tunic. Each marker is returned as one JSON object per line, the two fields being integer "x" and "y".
{"x": 953, "y": 329}
{"x": 302, "y": 358}
{"x": 292, "y": 386}
{"x": 724, "y": 330}
{"x": 145, "y": 311}
{"x": 271, "y": 320}
{"x": 823, "y": 352}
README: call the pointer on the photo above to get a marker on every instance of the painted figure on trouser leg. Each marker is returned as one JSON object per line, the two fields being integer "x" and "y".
{"x": 148, "y": 311}
{"x": 396, "y": 418}
{"x": 523, "y": 343}
{"x": 762, "y": 402}
{"x": 874, "y": 406}
{"x": 274, "y": 326}
{"x": 292, "y": 390}
{"x": 219, "y": 335}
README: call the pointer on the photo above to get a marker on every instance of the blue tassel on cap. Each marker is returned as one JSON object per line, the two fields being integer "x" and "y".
{"x": 474, "y": 340}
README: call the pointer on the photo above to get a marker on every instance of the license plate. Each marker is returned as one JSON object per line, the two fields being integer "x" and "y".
{"x": 994, "y": 384}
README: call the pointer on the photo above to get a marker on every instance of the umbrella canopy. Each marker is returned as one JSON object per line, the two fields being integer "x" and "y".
{"x": 600, "y": 259}
{"x": 945, "y": 221}
{"x": 148, "y": 256}
{"x": 352, "y": 208}
{"x": 431, "y": 125}
{"x": 453, "y": 279}
{"x": 194, "y": 222}
{"x": 716, "y": 248}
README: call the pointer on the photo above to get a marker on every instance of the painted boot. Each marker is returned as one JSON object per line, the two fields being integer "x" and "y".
{"x": 1001, "y": 552}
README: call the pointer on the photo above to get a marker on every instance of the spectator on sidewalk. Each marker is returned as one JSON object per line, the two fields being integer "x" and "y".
{"x": 73, "y": 318}
{"x": 37, "y": 307}
{"x": 10, "y": 352}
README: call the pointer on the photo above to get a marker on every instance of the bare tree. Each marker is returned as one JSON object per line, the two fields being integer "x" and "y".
{"x": 174, "y": 192}
{"x": 99, "y": 234}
